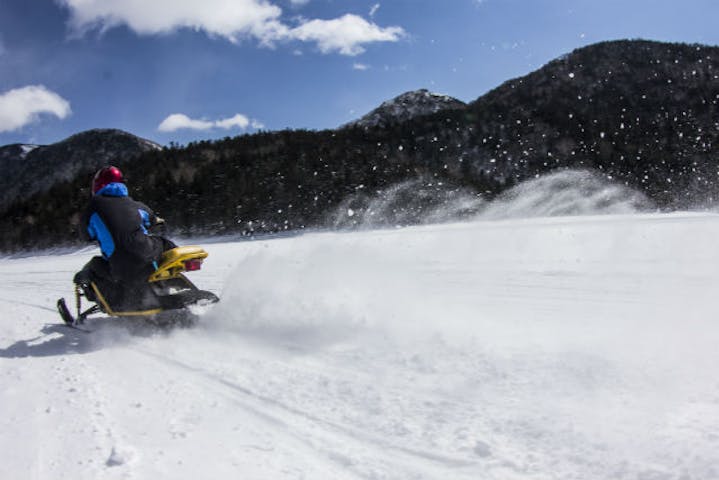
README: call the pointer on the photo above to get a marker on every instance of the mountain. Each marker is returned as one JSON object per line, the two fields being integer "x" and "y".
{"x": 637, "y": 113}
{"x": 407, "y": 106}
{"x": 644, "y": 113}
{"x": 32, "y": 169}
{"x": 12, "y": 166}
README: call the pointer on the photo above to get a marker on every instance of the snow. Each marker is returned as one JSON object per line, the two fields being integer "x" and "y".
{"x": 151, "y": 145}
{"x": 408, "y": 105}
{"x": 27, "y": 149}
{"x": 547, "y": 348}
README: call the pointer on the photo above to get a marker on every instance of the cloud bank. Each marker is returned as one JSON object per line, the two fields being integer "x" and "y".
{"x": 180, "y": 121}
{"x": 229, "y": 19}
{"x": 21, "y": 106}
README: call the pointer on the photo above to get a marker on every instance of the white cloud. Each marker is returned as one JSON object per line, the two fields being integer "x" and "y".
{"x": 238, "y": 120}
{"x": 345, "y": 35}
{"x": 374, "y": 9}
{"x": 360, "y": 66}
{"x": 180, "y": 121}
{"x": 229, "y": 19}
{"x": 299, "y": 3}
{"x": 21, "y": 106}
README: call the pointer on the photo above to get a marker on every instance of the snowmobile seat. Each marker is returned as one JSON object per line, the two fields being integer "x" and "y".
{"x": 177, "y": 260}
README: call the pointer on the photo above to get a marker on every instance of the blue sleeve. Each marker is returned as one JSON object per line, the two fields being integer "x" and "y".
{"x": 146, "y": 219}
{"x": 91, "y": 233}
{"x": 101, "y": 233}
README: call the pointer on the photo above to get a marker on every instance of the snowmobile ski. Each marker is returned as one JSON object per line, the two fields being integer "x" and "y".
{"x": 65, "y": 313}
{"x": 67, "y": 318}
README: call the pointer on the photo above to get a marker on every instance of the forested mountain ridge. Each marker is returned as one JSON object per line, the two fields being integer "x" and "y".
{"x": 29, "y": 169}
{"x": 642, "y": 113}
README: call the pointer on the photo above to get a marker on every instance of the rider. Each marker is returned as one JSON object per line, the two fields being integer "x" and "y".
{"x": 120, "y": 224}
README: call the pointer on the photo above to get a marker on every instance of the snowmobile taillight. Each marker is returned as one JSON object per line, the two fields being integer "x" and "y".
{"x": 193, "y": 264}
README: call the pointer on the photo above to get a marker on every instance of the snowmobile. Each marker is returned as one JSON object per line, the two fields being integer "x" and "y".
{"x": 163, "y": 299}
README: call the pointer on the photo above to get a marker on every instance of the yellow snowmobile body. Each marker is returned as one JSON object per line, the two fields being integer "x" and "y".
{"x": 167, "y": 289}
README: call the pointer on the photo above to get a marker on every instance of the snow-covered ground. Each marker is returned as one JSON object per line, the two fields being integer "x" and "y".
{"x": 563, "y": 348}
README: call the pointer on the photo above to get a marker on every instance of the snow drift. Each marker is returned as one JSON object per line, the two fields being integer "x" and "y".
{"x": 429, "y": 201}
{"x": 567, "y": 192}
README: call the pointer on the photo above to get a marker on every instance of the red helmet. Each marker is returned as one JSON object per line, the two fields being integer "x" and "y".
{"x": 104, "y": 177}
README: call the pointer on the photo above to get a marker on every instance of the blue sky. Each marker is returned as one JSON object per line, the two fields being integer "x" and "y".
{"x": 183, "y": 70}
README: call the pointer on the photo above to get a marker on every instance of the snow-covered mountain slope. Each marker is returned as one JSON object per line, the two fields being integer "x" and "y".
{"x": 564, "y": 348}
{"x": 407, "y": 106}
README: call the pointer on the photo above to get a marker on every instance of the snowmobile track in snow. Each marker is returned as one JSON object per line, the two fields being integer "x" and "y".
{"x": 304, "y": 425}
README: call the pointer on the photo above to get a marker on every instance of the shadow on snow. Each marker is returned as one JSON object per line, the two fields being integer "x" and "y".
{"x": 57, "y": 340}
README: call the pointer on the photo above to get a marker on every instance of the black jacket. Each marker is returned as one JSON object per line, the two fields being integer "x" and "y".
{"x": 120, "y": 224}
